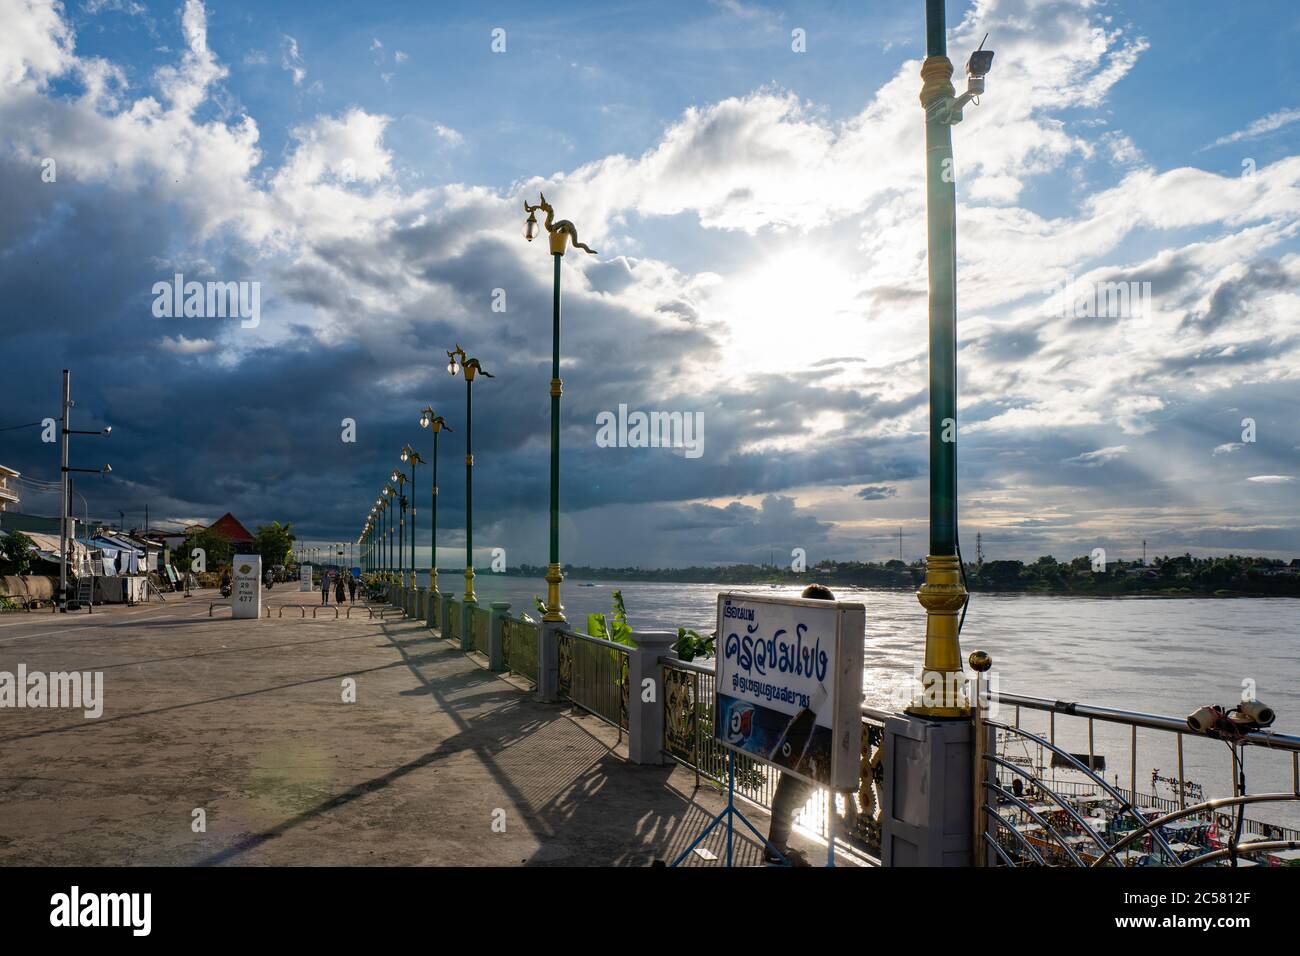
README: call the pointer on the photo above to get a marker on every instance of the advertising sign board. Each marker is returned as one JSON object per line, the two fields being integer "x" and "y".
{"x": 789, "y": 684}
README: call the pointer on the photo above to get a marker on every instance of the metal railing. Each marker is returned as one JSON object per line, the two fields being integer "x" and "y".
{"x": 519, "y": 647}
{"x": 480, "y": 621}
{"x": 1025, "y": 818}
{"x": 593, "y": 675}
{"x": 435, "y": 604}
{"x": 454, "y": 623}
{"x": 689, "y": 697}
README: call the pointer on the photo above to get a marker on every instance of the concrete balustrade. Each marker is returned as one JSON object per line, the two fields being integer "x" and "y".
{"x": 645, "y": 699}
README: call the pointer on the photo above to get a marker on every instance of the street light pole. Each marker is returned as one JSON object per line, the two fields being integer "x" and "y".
{"x": 430, "y": 419}
{"x": 943, "y": 595}
{"x": 559, "y": 234}
{"x": 471, "y": 367}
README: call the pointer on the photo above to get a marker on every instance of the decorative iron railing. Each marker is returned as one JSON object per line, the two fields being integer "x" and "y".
{"x": 454, "y": 623}
{"x": 1028, "y": 816}
{"x": 593, "y": 675}
{"x": 480, "y": 620}
{"x": 519, "y": 647}
{"x": 689, "y": 689}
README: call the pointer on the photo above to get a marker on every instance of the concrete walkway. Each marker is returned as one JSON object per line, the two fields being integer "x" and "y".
{"x": 246, "y": 721}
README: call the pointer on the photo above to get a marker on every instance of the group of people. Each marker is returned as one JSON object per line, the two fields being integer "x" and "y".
{"x": 342, "y": 591}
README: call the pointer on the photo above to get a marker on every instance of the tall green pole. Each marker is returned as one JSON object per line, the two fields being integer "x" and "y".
{"x": 413, "y": 464}
{"x": 433, "y": 522}
{"x": 943, "y": 594}
{"x": 469, "y": 488}
{"x": 554, "y": 609}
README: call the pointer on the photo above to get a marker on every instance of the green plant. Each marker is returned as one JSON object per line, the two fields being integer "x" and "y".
{"x": 619, "y": 630}
{"x": 692, "y": 644}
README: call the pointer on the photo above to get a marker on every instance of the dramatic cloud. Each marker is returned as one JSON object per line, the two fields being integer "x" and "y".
{"x": 762, "y": 264}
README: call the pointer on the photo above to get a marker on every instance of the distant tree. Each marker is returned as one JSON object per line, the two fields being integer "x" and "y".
{"x": 274, "y": 542}
{"x": 216, "y": 549}
{"x": 16, "y": 553}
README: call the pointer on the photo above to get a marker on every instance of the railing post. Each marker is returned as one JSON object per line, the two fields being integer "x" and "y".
{"x": 420, "y": 597}
{"x": 496, "y": 657}
{"x": 645, "y": 698}
{"x": 929, "y": 780}
{"x": 432, "y": 617}
{"x": 548, "y": 661}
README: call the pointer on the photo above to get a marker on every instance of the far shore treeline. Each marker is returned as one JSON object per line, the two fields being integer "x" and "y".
{"x": 1183, "y": 575}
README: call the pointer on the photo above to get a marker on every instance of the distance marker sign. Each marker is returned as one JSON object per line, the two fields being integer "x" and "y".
{"x": 789, "y": 684}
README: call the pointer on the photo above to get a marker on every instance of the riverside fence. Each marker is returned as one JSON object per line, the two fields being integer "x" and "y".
{"x": 1030, "y": 792}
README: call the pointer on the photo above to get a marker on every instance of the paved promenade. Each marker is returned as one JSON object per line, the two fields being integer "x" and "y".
{"x": 246, "y": 721}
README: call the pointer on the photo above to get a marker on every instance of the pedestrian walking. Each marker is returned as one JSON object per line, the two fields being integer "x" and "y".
{"x": 324, "y": 587}
{"x": 340, "y": 592}
{"x": 352, "y": 589}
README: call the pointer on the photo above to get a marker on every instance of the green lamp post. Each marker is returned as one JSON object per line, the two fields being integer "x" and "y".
{"x": 457, "y": 362}
{"x": 430, "y": 419}
{"x": 943, "y": 595}
{"x": 413, "y": 456}
{"x": 560, "y": 233}
{"x": 399, "y": 479}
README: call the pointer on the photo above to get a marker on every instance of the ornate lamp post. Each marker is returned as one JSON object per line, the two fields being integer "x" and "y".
{"x": 389, "y": 494}
{"x": 399, "y": 478}
{"x": 413, "y": 456}
{"x": 457, "y": 361}
{"x": 429, "y": 419}
{"x": 560, "y": 234}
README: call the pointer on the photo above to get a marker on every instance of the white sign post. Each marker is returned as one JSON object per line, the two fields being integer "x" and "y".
{"x": 304, "y": 577}
{"x": 246, "y": 600}
{"x": 789, "y": 684}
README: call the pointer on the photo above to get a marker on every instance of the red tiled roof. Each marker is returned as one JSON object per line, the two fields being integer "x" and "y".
{"x": 228, "y": 527}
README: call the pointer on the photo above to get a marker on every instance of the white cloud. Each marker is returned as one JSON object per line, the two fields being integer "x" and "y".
{"x": 291, "y": 60}
{"x": 1102, "y": 456}
{"x": 1272, "y": 479}
{"x": 1265, "y": 124}
{"x": 182, "y": 345}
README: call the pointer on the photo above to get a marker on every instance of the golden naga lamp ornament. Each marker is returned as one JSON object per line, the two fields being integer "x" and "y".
{"x": 559, "y": 232}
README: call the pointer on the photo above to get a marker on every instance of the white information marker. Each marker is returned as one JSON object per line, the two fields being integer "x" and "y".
{"x": 246, "y": 600}
{"x": 304, "y": 577}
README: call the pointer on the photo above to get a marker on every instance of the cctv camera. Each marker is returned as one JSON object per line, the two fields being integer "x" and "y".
{"x": 1254, "y": 713}
{"x": 1205, "y": 720}
{"x": 977, "y": 67}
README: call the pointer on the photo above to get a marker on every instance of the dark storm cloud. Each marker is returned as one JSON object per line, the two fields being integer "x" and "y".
{"x": 877, "y": 492}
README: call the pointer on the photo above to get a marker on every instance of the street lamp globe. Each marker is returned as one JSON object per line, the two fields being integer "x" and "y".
{"x": 530, "y": 227}
{"x": 406, "y": 455}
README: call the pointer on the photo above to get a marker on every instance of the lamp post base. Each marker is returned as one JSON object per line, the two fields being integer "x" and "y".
{"x": 469, "y": 587}
{"x": 943, "y": 683}
{"x": 554, "y": 609}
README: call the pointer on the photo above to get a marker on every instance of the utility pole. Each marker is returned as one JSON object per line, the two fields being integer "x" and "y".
{"x": 63, "y": 495}
{"x": 1144, "y": 552}
{"x": 900, "y": 543}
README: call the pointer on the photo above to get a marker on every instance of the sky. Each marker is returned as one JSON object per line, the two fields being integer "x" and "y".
{"x": 751, "y": 176}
